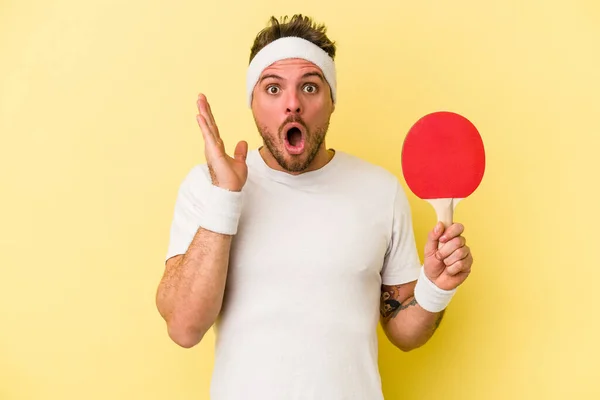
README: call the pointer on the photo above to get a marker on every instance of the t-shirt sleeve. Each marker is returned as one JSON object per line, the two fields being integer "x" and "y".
{"x": 401, "y": 263}
{"x": 188, "y": 209}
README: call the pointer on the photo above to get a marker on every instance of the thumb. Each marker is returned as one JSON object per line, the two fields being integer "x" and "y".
{"x": 241, "y": 151}
{"x": 433, "y": 239}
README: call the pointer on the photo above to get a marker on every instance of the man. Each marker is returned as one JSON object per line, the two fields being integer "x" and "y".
{"x": 295, "y": 251}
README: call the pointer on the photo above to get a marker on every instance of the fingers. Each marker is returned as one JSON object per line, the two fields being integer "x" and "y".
{"x": 211, "y": 120}
{"x": 462, "y": 266}
{"x": 206, "y": 113}
{"x": 460, "y": 253}
{"x": 448, "y": 248}
{"x": 208, "y": 136}
{"x": 214, "y": 145}
{"x": 440, "y": 235}
{"x": 432, "y": 239}
{"x": 454, "y": 253}
{"x": 451, "y": 232}
{"x": 241, "y": 151}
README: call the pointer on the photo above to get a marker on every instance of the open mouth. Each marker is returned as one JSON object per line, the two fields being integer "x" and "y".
{"x": 294, "y": 140}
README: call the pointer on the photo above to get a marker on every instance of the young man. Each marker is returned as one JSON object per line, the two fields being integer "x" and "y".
{"x": 295, "y": 251}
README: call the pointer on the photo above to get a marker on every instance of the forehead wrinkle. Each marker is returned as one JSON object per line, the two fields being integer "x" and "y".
{"x": 296, "y": 62}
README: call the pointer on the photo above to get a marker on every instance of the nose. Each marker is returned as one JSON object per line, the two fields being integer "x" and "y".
{"x": 293, "y": 103}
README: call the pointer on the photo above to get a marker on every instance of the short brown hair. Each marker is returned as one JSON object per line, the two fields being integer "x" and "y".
{"x": 299, "y": 26}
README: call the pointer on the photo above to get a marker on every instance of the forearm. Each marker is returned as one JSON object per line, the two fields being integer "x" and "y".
{"x": 410, "y": 326}
{"x": 190, "y": 294}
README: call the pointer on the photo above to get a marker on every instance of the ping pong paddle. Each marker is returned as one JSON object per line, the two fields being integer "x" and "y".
{"x": 443, "y": 161}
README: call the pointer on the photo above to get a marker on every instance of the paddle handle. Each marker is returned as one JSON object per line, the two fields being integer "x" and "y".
{"x": 444, "y": 208}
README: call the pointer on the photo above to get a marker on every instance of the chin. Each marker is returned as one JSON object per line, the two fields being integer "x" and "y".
{"x": 293, "y": 162}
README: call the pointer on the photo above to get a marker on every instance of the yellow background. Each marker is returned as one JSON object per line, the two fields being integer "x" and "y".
{"x": 97, "y": 123}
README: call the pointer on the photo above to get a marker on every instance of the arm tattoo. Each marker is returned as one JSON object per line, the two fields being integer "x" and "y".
{"x": 389, "y": 304}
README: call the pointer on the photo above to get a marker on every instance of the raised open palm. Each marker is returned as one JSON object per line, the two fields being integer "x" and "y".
{"x": 226, "y": 172}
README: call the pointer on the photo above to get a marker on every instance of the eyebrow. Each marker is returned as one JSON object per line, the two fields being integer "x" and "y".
{"x": 306, "y": 75}
{"x": 314, "y": 73}
{"x": 270, "y": 76}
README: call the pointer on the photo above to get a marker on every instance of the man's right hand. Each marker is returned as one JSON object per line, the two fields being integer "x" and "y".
{"x": 226, "y": 172}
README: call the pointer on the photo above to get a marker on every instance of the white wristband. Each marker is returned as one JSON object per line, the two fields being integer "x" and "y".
{"x": 222, "y": 211}
{"x": 431, "y": 297}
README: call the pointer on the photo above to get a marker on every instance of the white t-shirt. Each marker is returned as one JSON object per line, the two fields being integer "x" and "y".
{"x": 301, "y": 307}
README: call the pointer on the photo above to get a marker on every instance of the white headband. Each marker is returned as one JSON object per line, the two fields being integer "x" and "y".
{"x": 290, "y": 47}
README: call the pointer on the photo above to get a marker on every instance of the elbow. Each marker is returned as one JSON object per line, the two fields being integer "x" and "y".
{"x": 408, "y": 347}
{"x": 182, "y": 330}
{"x": 185, "y": 327}
{"x": 185, "y": 335}
{"x": 184, "y": 339}
{"x": 406, "y": 343}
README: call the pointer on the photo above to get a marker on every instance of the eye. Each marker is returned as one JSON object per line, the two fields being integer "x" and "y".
{"x": 310, "y": 88}
{"x": 271, "y": 89}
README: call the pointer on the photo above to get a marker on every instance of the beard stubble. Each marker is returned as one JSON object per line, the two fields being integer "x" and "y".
{"x": 297, "y": 163}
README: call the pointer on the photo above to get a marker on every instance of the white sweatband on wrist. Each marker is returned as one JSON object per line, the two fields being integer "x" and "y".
{"x": 222, "y": 211}
{"x": 285, "y": 48}
{"x": 431, "y": 297}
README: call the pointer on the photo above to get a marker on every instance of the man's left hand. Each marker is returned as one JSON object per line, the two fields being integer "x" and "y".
{"x": 449, "y": 265}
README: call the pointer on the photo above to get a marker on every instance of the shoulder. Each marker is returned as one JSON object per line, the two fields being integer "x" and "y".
{"x": 366, "y": 172}
{"x": 374, "y": 181}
